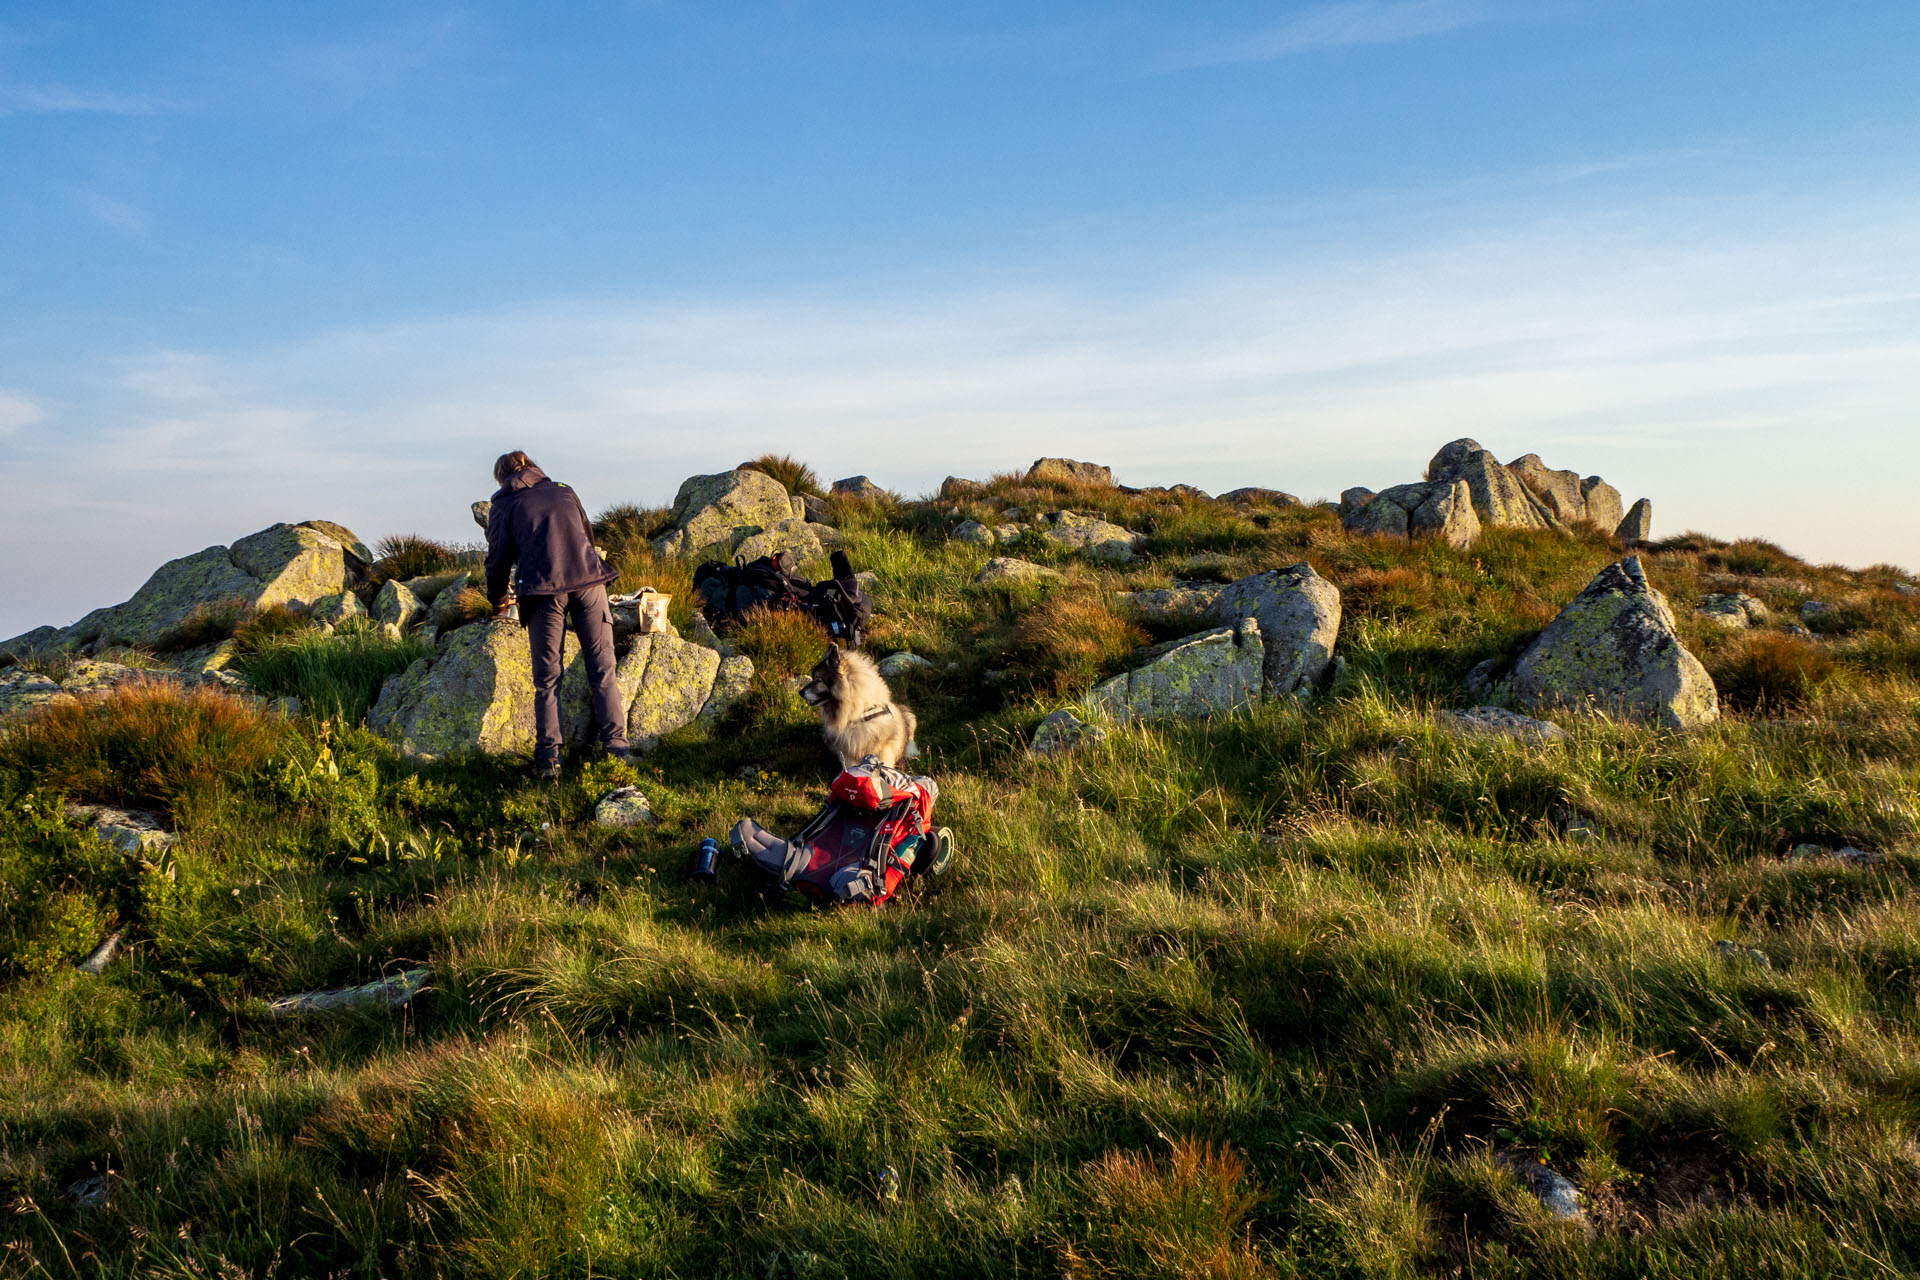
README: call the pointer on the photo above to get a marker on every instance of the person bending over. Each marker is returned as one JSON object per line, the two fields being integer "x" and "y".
{"x": 539, "y": 527}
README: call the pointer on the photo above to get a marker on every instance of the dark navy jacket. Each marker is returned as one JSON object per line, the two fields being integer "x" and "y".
{"x": 540, "y": 526}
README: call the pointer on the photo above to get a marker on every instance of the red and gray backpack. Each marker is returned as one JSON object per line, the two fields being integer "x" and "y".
{"x": 875, "y": 832}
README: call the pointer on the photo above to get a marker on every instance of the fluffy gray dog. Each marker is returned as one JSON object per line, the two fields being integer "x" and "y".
{"x": 857, "y": 710}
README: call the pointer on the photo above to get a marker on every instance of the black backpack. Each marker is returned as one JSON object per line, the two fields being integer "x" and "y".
{"x": 839, "y": 604}
{"x": 728, "y": 592}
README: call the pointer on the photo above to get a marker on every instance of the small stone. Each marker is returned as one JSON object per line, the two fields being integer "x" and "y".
{"x": 1005, "y": 571}
{"x": 387, "y": 993}
{"x": 956, "y": 487}
{"x": 1500, "y": 722}
{"x": 101, "y": 956}
{"x": 133, "y": 832}
{"x": 975, "y": 533}
{"x": 1555, "y": 1192}
{"x": 1171, "y": 604}
{"x": 482, "y": 512}
{"x": 1063, "y": 732}
{"x": 1735, "y": 610}
{"x": 397, "y": 604}
{"x": 1254, "y": 496}
{"x": 93, "y": 1191}
{"x": 331, "y": 611}
{"x": 624, "y": 808}
{"x": 1637, "y": 526}
{"x": 896, "y": 665}
{"x": 1858, "y": 857}
{"x": 1100, "y": 539}
{"x": 1733, "y": 952}
{"x": 21, "y": 689}
{"x": 1812, "y": 611}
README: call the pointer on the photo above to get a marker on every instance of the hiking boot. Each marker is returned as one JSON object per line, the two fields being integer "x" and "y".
{"x": 545, "y": 772}
{"x": 619, "y": 753}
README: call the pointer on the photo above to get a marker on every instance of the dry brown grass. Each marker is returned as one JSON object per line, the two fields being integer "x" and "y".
{"x": 145, "y": 743}
{"x": 795, "y": 475}
{"x": 1182, "y": 1215}
{"x": 1768, "y": 671}
{"x": 1071, "y": 639}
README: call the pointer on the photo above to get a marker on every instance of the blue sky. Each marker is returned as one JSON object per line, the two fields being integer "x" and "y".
{"x": 278, "y": 262}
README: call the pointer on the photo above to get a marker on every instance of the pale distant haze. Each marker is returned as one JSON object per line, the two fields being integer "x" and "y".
{"x": 279, "y": 262}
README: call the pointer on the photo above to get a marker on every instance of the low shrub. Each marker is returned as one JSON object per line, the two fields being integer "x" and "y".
{"x": 795, "y": 475}
{"x": 145, "y": 743}
{"x": 1070, "y": 639}
{"x": 624, "y": 529}
{"x": 781, "y": 642}
{"x": 409, "y": 555}
{"x": 336, "y": 677}
{"x": 59, "y": 888}
{"x": 1770, "y": 671}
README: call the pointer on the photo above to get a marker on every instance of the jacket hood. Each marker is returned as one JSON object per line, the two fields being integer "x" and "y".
{"x": 525, "y": 478}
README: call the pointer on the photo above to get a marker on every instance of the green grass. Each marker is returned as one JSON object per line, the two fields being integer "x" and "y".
{"x": 1274, "y": 995}
{"x": 335, "y": 677}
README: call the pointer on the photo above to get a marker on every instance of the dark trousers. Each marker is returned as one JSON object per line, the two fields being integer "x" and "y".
{"x": 547, "y": 618}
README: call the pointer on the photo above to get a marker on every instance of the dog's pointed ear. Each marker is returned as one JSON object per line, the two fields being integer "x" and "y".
{"x": 833, "y": 657}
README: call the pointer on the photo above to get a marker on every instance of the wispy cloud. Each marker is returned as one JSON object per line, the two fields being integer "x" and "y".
{"x": 1334, "y": 26}
{"x": 57, "y": 99}
{"x": 16, "y": 411}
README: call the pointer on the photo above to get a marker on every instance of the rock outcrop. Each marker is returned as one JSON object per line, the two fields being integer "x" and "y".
{"x": 622, "y": 809}
{"x": 1067, "y": 471}
{"x": 804, "y": 541}
{"x": 1254, "y": 496}
{"x": 1299, "y": 616}
{"x": 1214, "y": 672}
{"x": 857, "y": 487}
{"x": 723, "y": 510}
{"x": 397, "y": 604}
{"x": 1523, "y": 494}
{"x": 289, "y": 564}
{"x": 1614, "y": 649}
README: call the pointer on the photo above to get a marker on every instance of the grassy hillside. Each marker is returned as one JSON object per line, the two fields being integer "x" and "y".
{"x": 1273, "y": 995}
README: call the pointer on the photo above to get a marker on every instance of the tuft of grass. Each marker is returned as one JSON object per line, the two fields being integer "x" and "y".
{"x": 145, "y": 743}
{"x": 795, "y": 475}
{"x": 1183, "y": 1215}
{"x": 783, "y": 643}
{"x": 1769, "y": 671}
{"x": 335, "y": 677}
{"x": 1071, "y": 639}
{"x": 209, "y": 623}
{"x": 410, "y": 555}
{"x": 262, "y": 627}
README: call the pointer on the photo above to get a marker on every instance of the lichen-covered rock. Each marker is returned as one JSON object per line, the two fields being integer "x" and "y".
{"x": 1169, "y": 604}
{"x": 482, "y": 511}
{"x": 22, "y": 690}
{"x": 133, "y": 832}
{"x": 805, "y": 542}
{"x": 975, "y": 533}
{"x": 1354, "y": 500}
{"x": 1447, "y": 514}
{"x": 206, "y": 659}
{"x": 812, "y": 509}
{"x": 449, "y": 610}
{"x": 896, "y": 665}
{"x": 672, "y": 680}
{"x": 958, "y": 487}
{"x": 731, "y": 683}
{"x": 89, "y": 675}
{"x": 1734, "y": 610}
{"x": 1005, "y": 571}
{"x": 623, "y": 808}
{"x": 723, "y": 510}
{"x": 473, "y": 696}
{"x": 285, "y": 564}
{"x": 1299, "y": 615}
{"x": 45, "y": 639}
{"x": 1615, "y": 649}
{"x": 1389, "y": 513}
{"x": 397, "y": 604}
{"x": 1100, "y": 539}
{"x": 1067, "y": 471}
{"x": 359, "y": 556}
{"x": 1214, "y": 672}
{"x": 1500, "y": 722}
{"x": 1637, "y": 525}
{"x": 1063, "y": 732}
{"x": 331, "y": 611}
